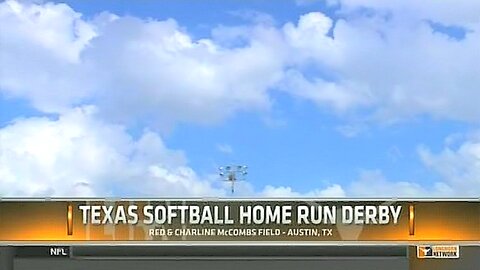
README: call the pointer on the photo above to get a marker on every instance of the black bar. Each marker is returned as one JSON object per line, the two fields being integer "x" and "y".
{"x": 239, "y": 251}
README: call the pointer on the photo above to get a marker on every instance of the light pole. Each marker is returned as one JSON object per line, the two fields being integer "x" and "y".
{"x": 233, "y": 173}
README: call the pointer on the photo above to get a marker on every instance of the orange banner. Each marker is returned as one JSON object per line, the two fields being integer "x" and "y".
{"x": 162, "y": 221}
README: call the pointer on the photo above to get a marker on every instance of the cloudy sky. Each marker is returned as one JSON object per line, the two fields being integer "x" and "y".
{"x": 328, "y": 98}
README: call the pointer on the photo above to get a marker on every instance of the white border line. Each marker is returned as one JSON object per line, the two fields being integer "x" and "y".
{"x": 236, "y": 243}
{"x": 215, "y": 199}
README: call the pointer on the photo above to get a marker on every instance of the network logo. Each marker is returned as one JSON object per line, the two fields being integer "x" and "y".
{"x": 438, "y": 252}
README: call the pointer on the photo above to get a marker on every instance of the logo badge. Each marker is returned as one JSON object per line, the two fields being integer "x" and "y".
{"x": 438, "y": 251}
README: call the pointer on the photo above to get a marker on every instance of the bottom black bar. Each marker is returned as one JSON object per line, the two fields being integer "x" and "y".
{"x": 239, "y": 251}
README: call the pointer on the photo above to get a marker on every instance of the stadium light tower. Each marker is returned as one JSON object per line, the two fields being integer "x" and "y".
{"x": 233, "y": 174}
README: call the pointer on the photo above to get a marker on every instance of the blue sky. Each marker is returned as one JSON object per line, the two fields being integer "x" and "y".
{"x": 332, "y": 98}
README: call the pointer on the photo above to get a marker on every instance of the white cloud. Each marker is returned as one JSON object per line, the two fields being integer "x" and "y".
{"x": 372, "y": 183}
{"x": 225, "y": 148}
{"x": 384, "y": 67}
{"x": 396, "y": 67}
{"x": 159, "y": 71}
{"x": 332, "y": 191}
{"x": 77, "y": 155}
{"x": 253, "y": 16}
{"x": 40, "y": 47}
{"x": 391, "y": 63}
{"x": 459, "y": 167}
{"x": 54, "y": 27}
{"x": 338, "y": 97}
{"x": 351, "y": 130}
{"x": 447, "y": 11}
{"x": 309, "y": 37}
{"x": 131, "y": 67}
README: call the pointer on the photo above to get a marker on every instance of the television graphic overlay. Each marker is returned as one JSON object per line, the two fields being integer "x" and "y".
{"x": 311, "y": 233}
{"x": 438, "y": 252}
